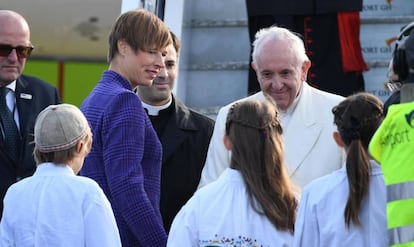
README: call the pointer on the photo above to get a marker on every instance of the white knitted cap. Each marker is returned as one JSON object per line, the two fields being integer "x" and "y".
{"x": 59, "y": 127}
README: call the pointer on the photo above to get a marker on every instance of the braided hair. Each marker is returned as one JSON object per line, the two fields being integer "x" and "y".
{"x": 357, "y": 118}
{"x": 255, "y": 133}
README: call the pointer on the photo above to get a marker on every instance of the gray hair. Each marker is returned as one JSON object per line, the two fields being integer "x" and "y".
{"x": 275, "y": 33}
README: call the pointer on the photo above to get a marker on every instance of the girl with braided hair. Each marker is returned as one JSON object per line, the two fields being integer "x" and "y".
{"x": 253, "y": 202}
{"x": 348, "y": 206}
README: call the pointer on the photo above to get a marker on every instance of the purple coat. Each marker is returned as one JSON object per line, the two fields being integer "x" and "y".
{"x": 125, "y": 160}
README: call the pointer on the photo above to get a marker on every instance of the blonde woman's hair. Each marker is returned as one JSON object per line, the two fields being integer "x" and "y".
{"x": 141, "y": 30}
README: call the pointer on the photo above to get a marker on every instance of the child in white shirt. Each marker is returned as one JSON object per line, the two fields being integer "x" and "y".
{"x": 54, "y": 207}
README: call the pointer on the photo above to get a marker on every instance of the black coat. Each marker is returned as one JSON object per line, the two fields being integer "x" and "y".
{"x": 32, "y": 96}
{"x": 185, "y": 141}
{"x": 300, "y": 7}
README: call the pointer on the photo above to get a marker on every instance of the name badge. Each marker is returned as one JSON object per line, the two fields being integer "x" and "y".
{"x": 25, "y": 96}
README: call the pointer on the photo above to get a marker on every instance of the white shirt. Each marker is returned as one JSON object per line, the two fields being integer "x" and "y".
{"x": 11, "y": 102}
{"x": 219, "y": 214}
{"x": 55, "y": 207}
{"x": 320, "y": 220}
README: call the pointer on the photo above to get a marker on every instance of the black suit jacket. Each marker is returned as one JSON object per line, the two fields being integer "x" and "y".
{"x": 185, "y": 142}
{"x": 32, "y": 96}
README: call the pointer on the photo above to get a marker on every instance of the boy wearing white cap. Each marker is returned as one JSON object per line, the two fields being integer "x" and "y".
{"x": 55, "y": 207}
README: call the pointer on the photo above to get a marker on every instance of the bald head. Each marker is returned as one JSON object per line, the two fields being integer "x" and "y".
{"x": 9, "y": 17}
{"x": 11, "y": 13}
{"x": 14, "y": 33}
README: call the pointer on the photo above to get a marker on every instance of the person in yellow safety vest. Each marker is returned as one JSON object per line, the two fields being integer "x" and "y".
{"x": 393, "y": 145}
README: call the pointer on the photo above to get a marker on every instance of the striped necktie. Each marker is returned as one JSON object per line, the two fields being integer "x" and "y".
{"x": 10, "y": 131}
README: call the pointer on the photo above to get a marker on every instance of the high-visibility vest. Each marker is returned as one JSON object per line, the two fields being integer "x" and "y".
{"x": 393, "y": 147}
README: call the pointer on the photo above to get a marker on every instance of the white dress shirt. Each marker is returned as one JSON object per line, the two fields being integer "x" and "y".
{"x": 320, "y": 220}
{"x": 220, "y": 214}
{"x": 55, "y": 207}
{"x": 11, "y": 102}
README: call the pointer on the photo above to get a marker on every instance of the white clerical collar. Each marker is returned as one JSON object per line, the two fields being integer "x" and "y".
{"x": 153, "y": 110}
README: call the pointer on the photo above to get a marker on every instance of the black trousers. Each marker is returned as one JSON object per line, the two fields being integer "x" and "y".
{"x": 320, "y": 34}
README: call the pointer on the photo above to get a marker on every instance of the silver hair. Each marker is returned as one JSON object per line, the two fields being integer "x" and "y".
{"x": 275, "y": 33}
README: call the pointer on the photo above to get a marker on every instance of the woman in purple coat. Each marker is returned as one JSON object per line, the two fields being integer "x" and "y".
{"x": 125, "y": 158}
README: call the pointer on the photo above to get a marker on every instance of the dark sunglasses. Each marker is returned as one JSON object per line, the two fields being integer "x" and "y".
{"x": 22, "y": 51}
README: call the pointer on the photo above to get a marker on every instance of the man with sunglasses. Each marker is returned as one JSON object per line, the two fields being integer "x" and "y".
{"x": 21, "y": 99}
